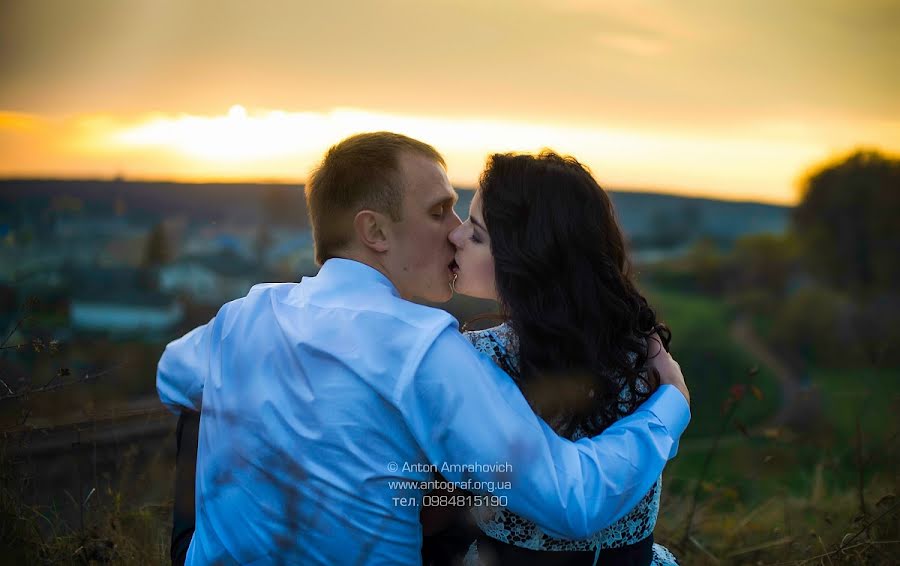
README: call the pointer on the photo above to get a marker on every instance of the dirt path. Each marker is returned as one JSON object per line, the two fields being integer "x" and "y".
{"x": 801, "y": 401}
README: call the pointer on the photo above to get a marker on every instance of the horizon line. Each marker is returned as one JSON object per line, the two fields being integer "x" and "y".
{"x": 286, "y": 182}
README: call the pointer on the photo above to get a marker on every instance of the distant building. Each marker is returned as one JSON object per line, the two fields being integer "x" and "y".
{"x": 120, "y": 301}
{"x": 210, "y": 241}
{"x": 211, "y": 279}
{"x": 126, "y": 317}
{"x": 292, "y": 254}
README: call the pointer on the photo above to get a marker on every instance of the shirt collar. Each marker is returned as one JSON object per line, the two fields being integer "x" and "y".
{"x": 339, "y": 270}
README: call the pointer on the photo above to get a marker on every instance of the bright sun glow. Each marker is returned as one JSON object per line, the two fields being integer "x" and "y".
{"x": 760, "y": 162}
{"x": 233, "y": 137}
{"x": 276, "y": 143}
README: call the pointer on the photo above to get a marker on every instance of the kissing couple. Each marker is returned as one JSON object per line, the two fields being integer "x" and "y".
{"x": 330, "y": 409}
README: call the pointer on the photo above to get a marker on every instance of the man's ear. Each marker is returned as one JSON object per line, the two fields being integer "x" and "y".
{"x": 372, "y": 230}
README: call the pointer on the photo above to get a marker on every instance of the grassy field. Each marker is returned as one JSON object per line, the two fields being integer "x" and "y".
{"x": 774, "y": 495}
{"x": 757, "y": 496}
{"x": 869, "y": 394}
{"x": 712, "y": 362}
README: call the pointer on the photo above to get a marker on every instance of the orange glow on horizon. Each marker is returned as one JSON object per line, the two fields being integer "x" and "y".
{"x": 264, "y": 144}
{"x": 17, "y": 121}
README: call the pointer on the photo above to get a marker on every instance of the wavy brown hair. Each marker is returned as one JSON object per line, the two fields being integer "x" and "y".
{"x": 565, "y": 285}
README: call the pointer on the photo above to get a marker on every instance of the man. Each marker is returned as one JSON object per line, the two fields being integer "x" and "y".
{"x": 319, "y": 397}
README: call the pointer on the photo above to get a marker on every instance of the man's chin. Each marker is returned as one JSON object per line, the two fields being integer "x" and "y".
{"x": 442, "y": 298}
{"x": 438, "y": 297}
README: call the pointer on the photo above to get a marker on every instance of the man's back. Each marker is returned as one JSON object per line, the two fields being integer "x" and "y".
{"x": 299, "y": 426}
{"x": 316, "y": 397}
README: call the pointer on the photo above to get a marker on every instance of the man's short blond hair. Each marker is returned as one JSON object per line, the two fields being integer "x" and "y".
{"x": 359, "y": 173}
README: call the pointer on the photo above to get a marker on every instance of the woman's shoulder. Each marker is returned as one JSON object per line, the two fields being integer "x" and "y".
{"x": 486, "y": 340}
{"x": 498, "y": 342}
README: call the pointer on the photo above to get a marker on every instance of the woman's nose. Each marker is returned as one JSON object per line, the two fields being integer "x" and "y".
{"x": 455, "y": 238}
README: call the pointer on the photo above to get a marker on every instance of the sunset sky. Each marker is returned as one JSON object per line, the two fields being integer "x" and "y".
{"x": 732, "y": 100}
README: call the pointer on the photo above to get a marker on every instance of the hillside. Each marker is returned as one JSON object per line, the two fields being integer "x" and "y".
{"x": 650, "y": 220}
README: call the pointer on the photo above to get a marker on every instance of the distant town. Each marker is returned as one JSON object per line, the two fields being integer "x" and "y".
{"x": 135, "y": 259}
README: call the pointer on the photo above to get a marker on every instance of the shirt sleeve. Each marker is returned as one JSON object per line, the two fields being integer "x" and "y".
{"x": 183, "y": 369}
{"x": 467, "y": 416}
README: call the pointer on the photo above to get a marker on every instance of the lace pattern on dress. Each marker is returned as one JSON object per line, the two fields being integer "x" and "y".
{"x": 501, "y": 344}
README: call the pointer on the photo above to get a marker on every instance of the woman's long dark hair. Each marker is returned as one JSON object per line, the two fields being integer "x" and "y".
{"x": 564, "y": 283}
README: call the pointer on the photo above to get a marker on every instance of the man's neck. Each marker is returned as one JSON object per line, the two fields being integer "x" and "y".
{"x": 374, "y": 263}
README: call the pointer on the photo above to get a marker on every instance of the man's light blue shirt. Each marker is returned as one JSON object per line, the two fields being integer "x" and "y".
{"x": 318, "y": 396}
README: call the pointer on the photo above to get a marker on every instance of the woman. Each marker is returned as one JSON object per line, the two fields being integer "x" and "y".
{"x": 542, "y": 240}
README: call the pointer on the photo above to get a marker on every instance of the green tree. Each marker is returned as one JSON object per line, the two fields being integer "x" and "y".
{"x": 759, "y": 272}
{"x": 847, "y": 223}
{"x": 157, "y": 251}
{"x": 263, "y": 241}
{"x": 764, "y": 262}
{"x": 809, "y": 327}
{"x": 704, "y": 261}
